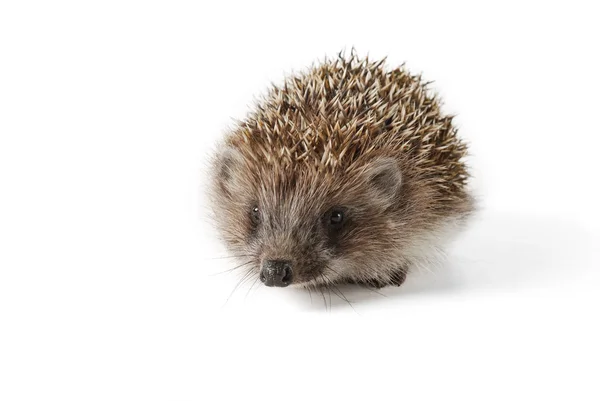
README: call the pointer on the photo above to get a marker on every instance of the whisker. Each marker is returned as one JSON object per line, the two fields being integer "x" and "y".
{"x": 245, "y": 276}
{"x": 323, "y": 295}
{"x": 230, "y": 270}
{"x": 339, "y": 293}
{"x": 229, "y": 257}
{"x": 309, "y": 294}
{"x": 328, "y": 290}
{"x": 252, "y": 286}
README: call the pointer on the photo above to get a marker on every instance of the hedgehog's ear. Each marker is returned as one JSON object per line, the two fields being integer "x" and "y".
{"x": 384, "y": 177}
{"x": 226, "y": 163}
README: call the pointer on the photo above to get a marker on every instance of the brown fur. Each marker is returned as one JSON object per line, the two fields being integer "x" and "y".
{"x": 346, "y": 135}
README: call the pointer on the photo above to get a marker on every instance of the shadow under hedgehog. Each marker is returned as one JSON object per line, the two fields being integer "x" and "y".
{"x": 346, "y": 173}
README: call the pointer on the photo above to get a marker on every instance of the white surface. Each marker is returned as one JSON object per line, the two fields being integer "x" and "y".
{"x": 107, "y": 113}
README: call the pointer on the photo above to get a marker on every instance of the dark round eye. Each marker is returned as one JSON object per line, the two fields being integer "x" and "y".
{"x": 255, "y": 215}
{"x": 337, "y": 217}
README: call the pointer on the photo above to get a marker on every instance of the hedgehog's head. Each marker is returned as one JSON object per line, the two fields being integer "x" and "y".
{"x": 294, "y": 224}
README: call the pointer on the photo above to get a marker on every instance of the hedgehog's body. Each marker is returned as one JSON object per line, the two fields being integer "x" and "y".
{"x": 346, "y": 173}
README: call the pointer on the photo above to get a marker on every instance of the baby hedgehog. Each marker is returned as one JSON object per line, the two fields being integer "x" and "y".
{"x": 346, "y": 173}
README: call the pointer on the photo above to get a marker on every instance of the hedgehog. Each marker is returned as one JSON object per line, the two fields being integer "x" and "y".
{"x": 345, "y": 173}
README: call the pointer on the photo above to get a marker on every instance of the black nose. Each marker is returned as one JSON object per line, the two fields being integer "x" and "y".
{"x": 276, "y": 273}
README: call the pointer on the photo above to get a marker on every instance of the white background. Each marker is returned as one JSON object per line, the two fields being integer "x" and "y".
{"x": 108, "y": 111}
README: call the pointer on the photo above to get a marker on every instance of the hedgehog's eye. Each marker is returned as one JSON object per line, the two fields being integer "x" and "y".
{"x": 336, "y": 217}
{"x": 335, "y": 222}
{"x": 255, "y": 215}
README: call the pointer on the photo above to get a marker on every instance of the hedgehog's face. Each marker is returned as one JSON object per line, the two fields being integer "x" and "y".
{"x": 295, "y": 226}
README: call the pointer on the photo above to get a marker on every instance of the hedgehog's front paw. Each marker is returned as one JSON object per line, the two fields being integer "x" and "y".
{"x": 396, "y": 279}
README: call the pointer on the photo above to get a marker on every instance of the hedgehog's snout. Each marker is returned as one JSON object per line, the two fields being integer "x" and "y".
{"x": 276, "y": 273}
